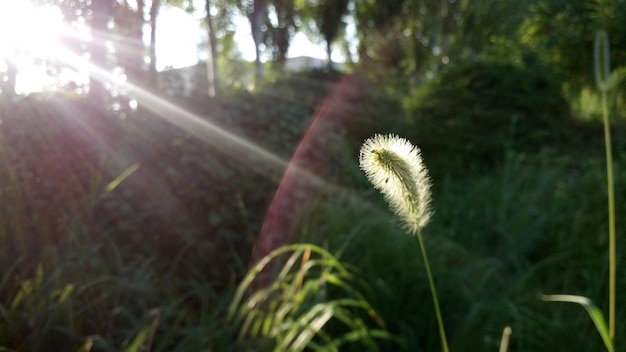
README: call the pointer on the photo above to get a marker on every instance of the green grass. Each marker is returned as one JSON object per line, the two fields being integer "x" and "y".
{"x": 152, "y": 246}
{"x": 150, "y": 227}
{"x": 314, "y": 302}
{"x": 603, "y": 81}
{"x": 496, "y": 242}
{"x": 156, "y": 260}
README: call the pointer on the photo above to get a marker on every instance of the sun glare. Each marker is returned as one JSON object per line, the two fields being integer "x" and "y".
{"x": 28, "y": 35}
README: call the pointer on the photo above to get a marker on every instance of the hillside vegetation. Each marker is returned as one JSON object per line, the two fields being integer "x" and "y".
{"x": 121, "y": 233}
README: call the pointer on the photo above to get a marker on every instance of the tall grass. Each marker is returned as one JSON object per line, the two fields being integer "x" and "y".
{"x": 97, "y": 271}
{"x": 295, "y": 310}
{"x": 603, "y": 80}
{"x": 85, "y": 261}
{"x": 497, "y": 239}
{"x": 395, "y": 168}
{"x": 602, "y": 71}
{"x": 495, "y": 242}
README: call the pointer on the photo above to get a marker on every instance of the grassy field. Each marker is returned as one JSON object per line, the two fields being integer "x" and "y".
{"x": 133, "y": 235}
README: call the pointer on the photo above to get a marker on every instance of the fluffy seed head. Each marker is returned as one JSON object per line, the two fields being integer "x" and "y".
{"x": 395, "y": 167}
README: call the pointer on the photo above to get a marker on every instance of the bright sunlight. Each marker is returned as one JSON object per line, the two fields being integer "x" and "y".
{"x": 28, "y": 35}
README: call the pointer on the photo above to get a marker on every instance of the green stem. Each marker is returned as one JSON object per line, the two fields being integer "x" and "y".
{"x": 611, "y": 191}
{"x": 602, "y": 70}
{"x": 433, "y": 291}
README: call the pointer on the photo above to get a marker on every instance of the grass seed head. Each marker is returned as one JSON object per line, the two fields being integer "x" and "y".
{"x": 395, "y": 167}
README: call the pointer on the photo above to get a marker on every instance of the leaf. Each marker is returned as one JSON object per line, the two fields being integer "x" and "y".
{"x": 293, "y": 310}
{"x": 138, "y": 341}
{"x": 65, "y": 294}
{"x": 39, "y": 276}
{"x": 25, "y": 290}
{"x": 119, "y": 179}
{"x": 594, "y": 313}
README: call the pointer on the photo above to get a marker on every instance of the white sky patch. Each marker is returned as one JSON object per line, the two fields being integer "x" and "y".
{"x": 302, "y": 46}
{"x": 243, "y": 38}
{"x": 177, "y": 37}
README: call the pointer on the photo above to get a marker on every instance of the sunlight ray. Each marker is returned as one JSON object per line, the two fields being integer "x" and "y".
{"x": 298, "y": 183}
{"x": 256, "y": 157}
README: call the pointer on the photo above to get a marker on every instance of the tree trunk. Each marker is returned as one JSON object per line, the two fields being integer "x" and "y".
{"x": 138, "y": 46}
{"x": 11, "y": 73}
{"x": 154, "y": 11}
{"x": 282, "y": 33}
{"x": 211, "y": 62}
{"x": 101, "y": 14}
{"x": 258, "y": 65}
{"x": 130, "y": 49}
{"x": 329, "y": 51}
{"x": 256, "y": 16}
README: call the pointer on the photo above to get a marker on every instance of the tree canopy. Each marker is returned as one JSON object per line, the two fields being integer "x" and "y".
{"x": 396, "y": 38}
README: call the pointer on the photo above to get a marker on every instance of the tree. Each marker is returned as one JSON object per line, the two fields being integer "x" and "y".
{"x": 154, "y": 12}
{"x": 99, "y": 17}
{"x": 129, "y": 22}
{"x": 11, "y": 73}
{"x": 416, "y": 39}
{"x": 75, "y": 14}
{"x": 256, "y": 10}
{"x": 323, "y": 21}
{"x": 102, "y": 11}
{"x": 218, "y": 26}
{"x": 221, "y": 45}
{"x": 329, "y": 19}
{"x": 564, "y": 32}
{"x": 211, "y": 62}
{"x": 377, "y": 28}
{"x": 285, "y": 27}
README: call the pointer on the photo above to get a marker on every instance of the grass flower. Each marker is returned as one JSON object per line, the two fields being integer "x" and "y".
{"x": 394, "y": 166}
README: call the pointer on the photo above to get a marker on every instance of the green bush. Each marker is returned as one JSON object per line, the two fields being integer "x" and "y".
{"x": 475, "y": 110}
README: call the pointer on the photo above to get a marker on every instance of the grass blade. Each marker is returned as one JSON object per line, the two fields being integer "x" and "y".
{"x": 119, "y": 179}
{"x": 594, "y": 312}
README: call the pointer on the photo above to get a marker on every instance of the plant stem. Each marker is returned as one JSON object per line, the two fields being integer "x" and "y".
{"x": 602, "y": 70}
{"x": 433, "y": 291}
{"x": 611, "y": 191}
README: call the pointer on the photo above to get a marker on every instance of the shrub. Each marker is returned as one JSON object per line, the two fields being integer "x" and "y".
{"x": 475, "y": 110}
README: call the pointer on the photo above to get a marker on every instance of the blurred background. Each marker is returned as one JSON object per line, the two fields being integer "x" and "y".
{"x": 152, "y": 151}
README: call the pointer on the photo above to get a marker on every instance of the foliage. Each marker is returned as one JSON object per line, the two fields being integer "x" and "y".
{"x": 602, "y": 73}
{"x": 279, "y": 34}
{"x": 560, "y": 28}
{"x": 594, "y": 313}
{"x": 126, "y": 248}
{"x": 534, "y": 224}
{"x": 296, "y": 309}
{"x": 36, "y": 309}
{"x": 324, "y": 18}
{"x": 414, "y": 40}
{"x": 150, "y": 226}
{"x": 617, "y": 93}
{"x": 474, "y": 111}
{"x": 153, "y": 259}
